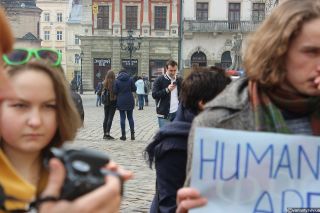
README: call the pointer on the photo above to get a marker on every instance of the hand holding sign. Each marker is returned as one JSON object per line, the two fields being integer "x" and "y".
{"x": 189, "y": 198}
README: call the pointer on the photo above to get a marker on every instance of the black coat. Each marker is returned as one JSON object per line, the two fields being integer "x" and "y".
{"x": 160, "y": 94}
{"x": 123, "y": 88}
{"x": 169, "y": 151}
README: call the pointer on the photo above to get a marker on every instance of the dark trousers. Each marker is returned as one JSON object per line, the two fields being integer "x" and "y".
{"x": 123, "y": 114}
{"x": 146, "y": 99}
{"x": 141, "y": 101}
{"x": 108, "y": 118}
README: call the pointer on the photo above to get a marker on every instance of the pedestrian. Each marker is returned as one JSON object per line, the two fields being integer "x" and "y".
{"x": 281, "y": 93}
{"x": 74, "y": 84}
{"x": 140, "y": 92}
{"x": 109, "y": 102}
{"x": 98, "y": 91}
{"x": 166, "y": 90}
{"x": 56, "y": 176}
{"x": 168, "y": 150}
{"x": 135, "y": 96}
{"x": 123, "y": 88}
{"x": 147, "y": 87}
{"x": 78, "y": 101}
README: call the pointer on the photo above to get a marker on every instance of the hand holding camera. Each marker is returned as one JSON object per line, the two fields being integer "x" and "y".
{"x": 172, "y": 86}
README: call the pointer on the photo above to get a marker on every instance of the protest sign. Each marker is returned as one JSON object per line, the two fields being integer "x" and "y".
{"x": 240, "y": 171}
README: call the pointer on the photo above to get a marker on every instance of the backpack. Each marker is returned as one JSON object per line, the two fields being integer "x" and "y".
{"x": 105, "y": 97}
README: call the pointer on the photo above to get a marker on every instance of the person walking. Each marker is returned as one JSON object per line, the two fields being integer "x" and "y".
{"x": 140, "y": 92}
{"x": 109, "y": 100}
{"x": 98, "y": 91}
{"x": 147, "y": 87}
{"x": 281, "y": 93}
{"x": 123, "y": 88}
{"x": 166, "y": 90}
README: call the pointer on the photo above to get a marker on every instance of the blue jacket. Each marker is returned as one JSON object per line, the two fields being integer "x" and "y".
{"x": 169, "y": 151}
{"x": 123, "y": 88}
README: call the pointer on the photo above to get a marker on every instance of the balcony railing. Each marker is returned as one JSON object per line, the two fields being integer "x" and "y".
{"x": 219, "y": 26}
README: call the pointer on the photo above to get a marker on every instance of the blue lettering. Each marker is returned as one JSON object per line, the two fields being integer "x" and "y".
{"x": 237, "y": 161}
{"x": 284, "y": 155}
{"x": 268, "y": 200}
{"x": 316, "y": 203}
{"x": 314, "y": 171}
{"x": 283, "y": 199}
{"x": 258, "y": 160}
{"x": 204, "y": 160}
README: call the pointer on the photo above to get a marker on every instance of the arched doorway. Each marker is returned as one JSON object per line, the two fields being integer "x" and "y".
{"x": 226, "y": 60}
{"x": 199, "y": 59}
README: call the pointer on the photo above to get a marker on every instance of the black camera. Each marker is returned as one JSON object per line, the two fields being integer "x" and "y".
{"x": 84, "y": 170}
{"x": 174, "y": 83}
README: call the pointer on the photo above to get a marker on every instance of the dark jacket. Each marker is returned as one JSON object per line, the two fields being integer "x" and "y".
{"x": 123, "y": 88}
{"x": 162, "y": 96}
{"x": 169, "y": 151}
{"x": 78, "y": 102}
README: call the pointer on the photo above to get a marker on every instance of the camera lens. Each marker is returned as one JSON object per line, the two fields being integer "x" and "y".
{"x": 80, "y": 166}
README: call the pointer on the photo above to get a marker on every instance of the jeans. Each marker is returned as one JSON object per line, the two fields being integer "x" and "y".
{"x": 141, "y": 101}
{"x": 108, "y": 118}
{"x": 98, "y": 100}
{"x": 123, "y": 120}
{"x": 164, "y": 121}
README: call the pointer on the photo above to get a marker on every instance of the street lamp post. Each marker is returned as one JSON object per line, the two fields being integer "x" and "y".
{"x": 81, "y": 84}
{"x": 130, "y": 44}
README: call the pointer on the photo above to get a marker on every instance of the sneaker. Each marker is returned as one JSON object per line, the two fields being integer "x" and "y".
{"x": 109, "y": 137}
{"x": 123, "y": 138}
{"x": 105, "y": 136}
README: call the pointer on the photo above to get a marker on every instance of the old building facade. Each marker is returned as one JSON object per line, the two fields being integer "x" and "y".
{"x": 53, "y": 25}
{"x": 24, "y": 18}
{"x": 107, "y": 21}
{"x": 215, "y": 30}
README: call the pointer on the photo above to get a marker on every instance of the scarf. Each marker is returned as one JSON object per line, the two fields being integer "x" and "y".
{"x": 268, "y": 104}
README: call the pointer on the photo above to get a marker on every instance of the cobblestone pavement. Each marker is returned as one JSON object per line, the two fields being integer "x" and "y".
{"x": 138, "y": 193}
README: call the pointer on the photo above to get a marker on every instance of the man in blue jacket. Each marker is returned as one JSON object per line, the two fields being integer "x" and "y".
{"x": 166, "y": 90}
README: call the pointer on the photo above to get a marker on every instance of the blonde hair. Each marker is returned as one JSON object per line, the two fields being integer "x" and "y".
{"x": 265, "y": 56}
{"x": 68, "y": 120}
{"x": 6, "y": 37}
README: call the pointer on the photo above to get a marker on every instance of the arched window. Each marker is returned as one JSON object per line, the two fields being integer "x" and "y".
{"x": 226, "y": 60}
{"x": 199, "y": 59}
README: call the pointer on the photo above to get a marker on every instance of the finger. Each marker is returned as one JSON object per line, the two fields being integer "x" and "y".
{"x": 56, "y": 178}
{"x": 102, "y": 196}
{"x": 125, "y": 174}
{"x": 187, "y": 192}
{"x": 188, "y": 204}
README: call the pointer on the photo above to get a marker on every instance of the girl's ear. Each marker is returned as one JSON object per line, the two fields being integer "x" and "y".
{"x": 201, "y": 104}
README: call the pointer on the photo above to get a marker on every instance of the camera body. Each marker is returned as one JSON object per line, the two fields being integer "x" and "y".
{"x": 174, "y": 83}
{"x": 83, "y": 170}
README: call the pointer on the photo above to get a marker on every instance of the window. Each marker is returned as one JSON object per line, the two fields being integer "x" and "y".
{"x": 103, "y": 17}
{"x": 59, "y": 35}
{"x": 160, "y": 18}
{"x": 46, "y": 35}
{"x": 76, "y": 40}
{"x": 46, "y": 17}
{"x": 234, "y": 16}
{"x": 59, "y": 17}
{"x": 258, "y": 12}
{"x": 202, "y": 11}
{"x": 131, "y": 17}
{"x": 76, "y": 58}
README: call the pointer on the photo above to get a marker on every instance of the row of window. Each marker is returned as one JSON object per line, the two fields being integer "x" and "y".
{"x": 47, "y": 17}
{"x": 131, "y": 12}
{"x": 59, "y": 36}
{"x": 258, "y": 11}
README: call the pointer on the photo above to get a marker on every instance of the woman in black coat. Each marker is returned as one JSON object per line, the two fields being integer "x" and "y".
{"x": 123, "y": 88}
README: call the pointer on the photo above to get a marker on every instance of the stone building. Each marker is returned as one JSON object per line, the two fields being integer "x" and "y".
{"x": 155, "y": 21}
{"x": 24, "y": 18}
{"x": 53, "y": 25}
{"x": 212, "y": 28}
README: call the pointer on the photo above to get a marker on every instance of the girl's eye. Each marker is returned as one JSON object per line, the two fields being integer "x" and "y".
{"x": 51, "y": 106}
{"x": 19, "y": 105}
